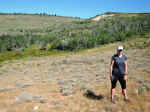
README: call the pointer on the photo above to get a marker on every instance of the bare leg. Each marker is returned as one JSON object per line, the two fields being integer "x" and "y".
{"x": 124, "y": 92}
{"x": 112, "y": 93}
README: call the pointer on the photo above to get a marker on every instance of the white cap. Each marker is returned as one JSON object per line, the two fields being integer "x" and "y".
{"x": 120, "y": 48}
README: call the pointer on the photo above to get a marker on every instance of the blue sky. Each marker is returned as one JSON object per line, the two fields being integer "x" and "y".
{"x": 75, "y": 8}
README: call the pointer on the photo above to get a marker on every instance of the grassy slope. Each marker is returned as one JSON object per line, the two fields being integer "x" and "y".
{"x": 66, "y": 33}
{"x": 11, "y": 23}
{"x": 14, "y": 23}
{"x": 142, "y": 42}
{"x": 27, "y": 70}
{"x": 92, "y": 60}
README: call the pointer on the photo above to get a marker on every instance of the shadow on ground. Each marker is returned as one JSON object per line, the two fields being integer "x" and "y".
{"x": 91, "y": 95}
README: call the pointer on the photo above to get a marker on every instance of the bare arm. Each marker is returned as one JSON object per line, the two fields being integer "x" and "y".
{"x": 126, "y": 68}
{"x": 126, "y": 71}
{"x": 111, "y": 68}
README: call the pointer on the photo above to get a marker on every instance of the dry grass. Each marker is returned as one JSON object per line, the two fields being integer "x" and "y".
{"x": 11, "y": 23}
{"x": 44, "y": 72}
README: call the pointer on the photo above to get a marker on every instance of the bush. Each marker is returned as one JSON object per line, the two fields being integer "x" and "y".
{"x": 33, "y": 47}
{"x": 48, "y": 46}
{"x": 76, "y": 35}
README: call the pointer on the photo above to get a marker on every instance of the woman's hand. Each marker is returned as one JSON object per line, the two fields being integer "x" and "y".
{"x": 111, "y": 77}
{"x": 125, "y": 77}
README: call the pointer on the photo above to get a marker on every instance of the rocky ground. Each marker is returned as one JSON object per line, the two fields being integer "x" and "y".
{"x": 73, "y": 83}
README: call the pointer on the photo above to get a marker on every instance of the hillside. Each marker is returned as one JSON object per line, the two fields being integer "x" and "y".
{"x": 24, "y": 32}
{"x": 108, "y": 15}
{"x": 61, "y": 64}
{"x": 77, "y": 82}
{"x": 17, "y": 23}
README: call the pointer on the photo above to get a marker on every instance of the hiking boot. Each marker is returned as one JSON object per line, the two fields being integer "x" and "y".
{"x": 113, "y": 100}
{"x": 127, "y": 100}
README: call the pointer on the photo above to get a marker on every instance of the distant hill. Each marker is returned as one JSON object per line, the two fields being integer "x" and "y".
{"x": 22, "y": 31}
{"x": 112, "y": 14}
{"x": 18, "y": 21}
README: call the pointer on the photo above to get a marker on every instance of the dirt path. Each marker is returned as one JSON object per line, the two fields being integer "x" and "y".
{"x": 60, "y": 84}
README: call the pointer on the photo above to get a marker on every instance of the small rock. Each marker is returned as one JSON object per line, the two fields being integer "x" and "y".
{"x": 83, "y": 86}
{"x": 146, "y": 85}
{"x": 90, "y": 88}
{"x": 43, "y": 81}
{"x": 36, "y": 108}
{"x": 6, "y": 89}
{"x": 65, "y": 61}
{"x": 4, "y": 110}
{"x": 141, "y": 90}
{"x": 84, "y": 79}
{"x": 110, "y": 108}
{"x": 66, "y": 90}
{"x": 43, "y": 100}
{"x": 21, "y": 84}
{"x": 27, "y": 84}
{"x": 67, "y": 81}
{"x": 25, "y": 97}
{"x": 73, "y": 83}
{"x": 62, "y": 81}
{"x": 40, "y": 99}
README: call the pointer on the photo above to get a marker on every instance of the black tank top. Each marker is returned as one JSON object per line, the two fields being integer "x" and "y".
{"x": 119, "y": 65}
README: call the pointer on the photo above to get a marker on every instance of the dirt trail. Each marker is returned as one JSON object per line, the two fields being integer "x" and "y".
{"x": 64, "y": 81}
{"x": 102, "y": 17}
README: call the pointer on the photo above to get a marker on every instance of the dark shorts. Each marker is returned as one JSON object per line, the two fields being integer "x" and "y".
{"x": 121, "y": 80}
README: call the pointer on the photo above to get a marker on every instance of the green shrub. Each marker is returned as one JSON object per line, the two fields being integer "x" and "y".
{"x": 33, "y": 47}
{"x": 76, "y": 35}
{"x": 48, "y": 46}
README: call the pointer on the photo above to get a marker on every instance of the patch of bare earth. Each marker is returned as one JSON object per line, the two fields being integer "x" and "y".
{"x": 102, "y": 17}
{"x": 74, "y": 83}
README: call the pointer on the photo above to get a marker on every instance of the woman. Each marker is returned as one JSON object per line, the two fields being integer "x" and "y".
{"x": 118, "y": 71}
